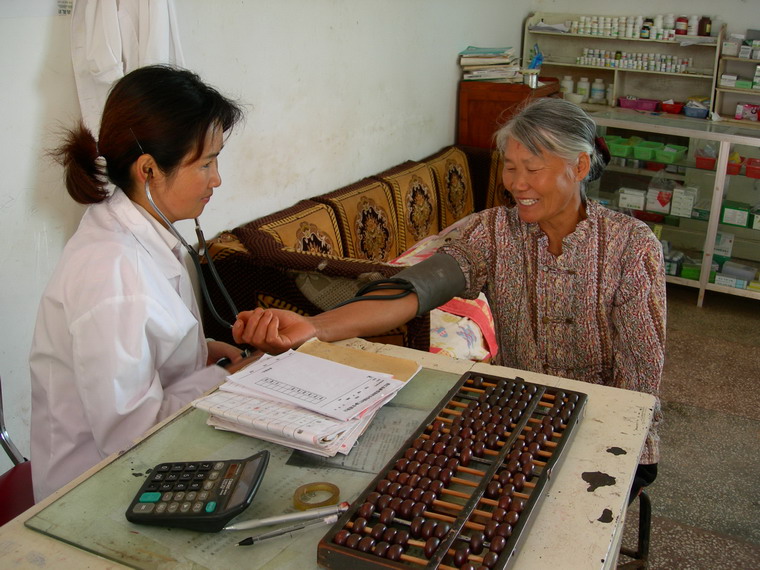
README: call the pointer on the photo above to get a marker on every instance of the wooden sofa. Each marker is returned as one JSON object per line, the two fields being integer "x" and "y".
{"x": 317, "y": 252}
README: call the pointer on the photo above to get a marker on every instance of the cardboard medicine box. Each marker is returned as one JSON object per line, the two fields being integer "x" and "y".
{"x": 631, "y": 198}
{"x": 724, "y": 244}
{"x": 658, "y": 200}
{"x": 733, "y": 213}
{"x": 683, "y": 201}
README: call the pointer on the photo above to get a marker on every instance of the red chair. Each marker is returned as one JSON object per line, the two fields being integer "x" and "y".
{"x": 16, "y": 494}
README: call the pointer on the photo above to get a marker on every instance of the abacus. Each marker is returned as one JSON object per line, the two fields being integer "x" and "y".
{"x": 464, "y": 488}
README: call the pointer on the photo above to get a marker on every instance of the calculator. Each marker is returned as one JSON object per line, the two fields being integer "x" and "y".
{"x": 198, "y": 495}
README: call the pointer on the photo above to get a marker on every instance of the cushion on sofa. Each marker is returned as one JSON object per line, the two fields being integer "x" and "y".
{"x": 415, "y": 200}
{"x": 307, "y": 227}
{"x": 451, "y": 174}
{"x": 497, "y": 194}
{"x": 367, "y": 219}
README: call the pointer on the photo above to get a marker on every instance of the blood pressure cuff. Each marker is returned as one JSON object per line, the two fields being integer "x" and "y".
{"x": 436, "y": 280}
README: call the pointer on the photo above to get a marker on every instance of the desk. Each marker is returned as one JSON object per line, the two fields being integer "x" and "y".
{"x": 567, "y": 531}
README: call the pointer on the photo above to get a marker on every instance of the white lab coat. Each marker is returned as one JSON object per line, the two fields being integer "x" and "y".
{"x": 110, "y": 38}
{"x": 118, "y": 345}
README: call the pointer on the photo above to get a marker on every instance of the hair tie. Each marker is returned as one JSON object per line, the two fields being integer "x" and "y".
{"x": 601, "y": 146}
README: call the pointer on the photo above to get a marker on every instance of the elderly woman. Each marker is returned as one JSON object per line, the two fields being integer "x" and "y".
{"x": 576, "y": 290}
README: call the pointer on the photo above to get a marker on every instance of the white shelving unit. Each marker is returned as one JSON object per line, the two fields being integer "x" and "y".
{"x": 727, "y": 98}
{"x": 561, "y": 50}
{"x": 714, "y": 184}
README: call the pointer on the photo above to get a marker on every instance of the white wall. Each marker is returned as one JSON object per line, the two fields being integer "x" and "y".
{"x": 337, "y": 90}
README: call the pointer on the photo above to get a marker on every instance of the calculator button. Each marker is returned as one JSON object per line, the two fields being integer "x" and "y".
{"x": 164, "y": 467}
{"x": 191, "y": 495}
{"x": 159, "y": 477}
{"x": 152, "y": 487}
{"x": 197, "y": 507}
{"x": 185, "y": 507}
{"x": 143, "y": 508}
{"x": 178, "y": 467}
{"x": 210, "y": 506}
{"x": 180, "y": 486}
{"x": 219, "y": 465}
{"x": 214, "y": 475}
{"x": 202, "y": 496}
{"x": 208, "y": 485}
{"x": 166, "y": 487}
{"x": 150, "y": 497}
{"x": 173, "y": 506}
{"x": 191, "y": 467}
{"x": 167, "y": 496}
{"x": 200, "y": 476}
{"x": 160, "y": 508}
{"x": 195, "y": 485}
{"x": 204, "y": 467}
{"x": 179, "y": 496}
{"x": 186, "y": 477}
{"x": 172, "y": 476}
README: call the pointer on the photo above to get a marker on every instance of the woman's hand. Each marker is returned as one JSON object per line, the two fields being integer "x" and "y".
{"x": 273, "y": 330}
{"x": 218, "y": 350}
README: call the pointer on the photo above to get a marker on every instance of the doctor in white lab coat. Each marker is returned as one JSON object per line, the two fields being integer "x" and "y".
{"x": 118, "y": 344}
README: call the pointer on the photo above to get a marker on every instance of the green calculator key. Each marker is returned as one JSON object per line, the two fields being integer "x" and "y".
{"x": 150, "y": 497}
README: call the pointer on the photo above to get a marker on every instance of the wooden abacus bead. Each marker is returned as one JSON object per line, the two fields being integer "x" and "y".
{"x": 497, "y": 544}
{"x": 366, "y": 510}
{"x": 438, "y": 425}
{"x": 381, "y": 549}
{"x": 479, "y": 448}
{"x": 401, "y": 537}
{"x": 442, "y": 529}
{"x": 387, "y": 515}
{"x": 393, "y": 489}
{"x": 490, "y": 559}
{"x": 493, "y": 489}
{"x": 461, "y": 555}
{"x": 428, "y": 528}
{"x": 382, "y": 485}
{"x": 415, "y": 527}
{"x": 358, "y": 525}
{"x": 518, "y": 480}
{"x": 390, "y": 534}
{"x": 431, "y": 545}
{"x": 341, "y": 536}
{"x": 468, "y": 566}
{"x": 511, "y": 517}
{"x": 465, "y": 456}
{"x": 395, "y": 503}
{"x": 352, "y": 540}
{"x": 382, "y": 502}
{"x": 394, "y": 552}
{"x": 477, "y": 539}
{"x": 504, "y": 502}
{"x": 365, "y": 544}
{"x": 419, "y": 509}
{"x": 405, "y": 510}
{"x": 517, "y": 504}
{"x": 377, "y": 531}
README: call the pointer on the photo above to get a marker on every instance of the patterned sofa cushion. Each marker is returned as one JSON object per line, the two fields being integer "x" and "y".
{"x": 307, "y": 227}
{"x": 367, "y": 219}
{"x": 497, "y": 194}
{"x": 451, "y": 174}
{"x": 415, "y": 200}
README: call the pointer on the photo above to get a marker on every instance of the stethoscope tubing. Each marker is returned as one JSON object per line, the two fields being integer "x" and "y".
{"x": 196, "y": 257}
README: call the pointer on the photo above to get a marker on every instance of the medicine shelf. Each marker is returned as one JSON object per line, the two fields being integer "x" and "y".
{"x": 691, "y": 234}
{"x": 560, "y": 51}
{"x": 688, "y": 40}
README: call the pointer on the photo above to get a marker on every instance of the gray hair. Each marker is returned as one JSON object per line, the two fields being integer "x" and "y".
{"x": 558, "y": 127}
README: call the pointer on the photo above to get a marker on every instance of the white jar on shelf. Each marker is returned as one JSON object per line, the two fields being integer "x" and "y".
{"x": 596, "y": 94}
{"x": 567, "y": 85}
{"x": 583, "y": 88}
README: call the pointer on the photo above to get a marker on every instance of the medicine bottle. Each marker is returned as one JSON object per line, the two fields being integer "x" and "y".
{"x": 692, "y": 28}
{"x": 682, "y": 25}
{"x": 567, "y": 85}
{"x": 705, "y": 25}
{"x": 583, "y": 88}
{"x": 597, "y": 90}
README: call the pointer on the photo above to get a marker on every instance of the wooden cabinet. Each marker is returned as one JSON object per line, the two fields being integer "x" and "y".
{"x": 484, "y": 106}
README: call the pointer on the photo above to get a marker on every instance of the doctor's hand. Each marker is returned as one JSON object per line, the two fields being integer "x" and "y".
{"x": 273, "y": 330}
{"x": 218, "y": 350}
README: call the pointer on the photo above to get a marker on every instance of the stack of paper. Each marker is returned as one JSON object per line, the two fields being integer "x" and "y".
{"x": 300, "y": 401}
{"x": 489, "y": 64}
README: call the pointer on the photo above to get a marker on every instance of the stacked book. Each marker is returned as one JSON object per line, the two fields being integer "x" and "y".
{"x": 490, "y": 64}
{"x": 301, "y": 401}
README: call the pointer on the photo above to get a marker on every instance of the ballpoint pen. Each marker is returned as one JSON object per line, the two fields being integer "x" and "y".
{"x": 286, "y": 530}
{"x": 290, "y": 517}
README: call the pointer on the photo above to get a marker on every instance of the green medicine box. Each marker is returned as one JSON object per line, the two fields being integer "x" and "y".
{"x": 733, "y": 213}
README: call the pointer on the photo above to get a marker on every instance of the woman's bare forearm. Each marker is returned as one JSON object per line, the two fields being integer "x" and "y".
{"x": 365, "y": 317}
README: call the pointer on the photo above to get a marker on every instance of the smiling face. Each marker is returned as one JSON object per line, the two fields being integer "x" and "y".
{"x": 545, "y": 187}
{"x": 184, "y": 194}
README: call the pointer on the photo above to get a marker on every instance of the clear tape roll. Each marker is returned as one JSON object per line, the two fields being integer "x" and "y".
{"x": 304, "y": 492}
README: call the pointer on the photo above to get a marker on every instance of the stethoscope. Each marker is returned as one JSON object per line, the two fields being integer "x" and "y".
{"x": 196, "y": 257}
